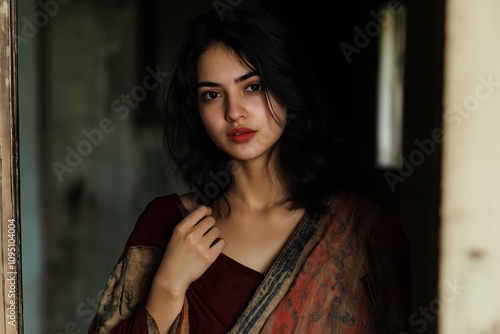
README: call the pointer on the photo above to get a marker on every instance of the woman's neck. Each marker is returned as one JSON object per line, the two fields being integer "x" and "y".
{"x": 255, "y": 187}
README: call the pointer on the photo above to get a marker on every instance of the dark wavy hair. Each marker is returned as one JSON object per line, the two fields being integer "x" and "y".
{"x": 308, "y": 155}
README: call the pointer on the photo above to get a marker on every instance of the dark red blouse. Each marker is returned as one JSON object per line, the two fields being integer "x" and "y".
{"x": 216, "y": 299}
{"x": 220, "y": 295}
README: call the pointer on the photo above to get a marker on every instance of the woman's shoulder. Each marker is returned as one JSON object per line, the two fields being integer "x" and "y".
{"x": 365, "y": 214}
{"x": 345, "y": 201}
{"x": 187, "y": 200}
{"x": 157, "y": 221}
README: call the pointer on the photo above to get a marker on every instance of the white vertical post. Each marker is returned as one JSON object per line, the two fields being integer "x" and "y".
{"x": 469, "y": 283}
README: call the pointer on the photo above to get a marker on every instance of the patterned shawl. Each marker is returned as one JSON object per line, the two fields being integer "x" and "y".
{"x": 342, "y": 273}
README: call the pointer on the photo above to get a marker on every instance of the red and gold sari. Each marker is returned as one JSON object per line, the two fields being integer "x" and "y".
{"x": 346, "y": 272}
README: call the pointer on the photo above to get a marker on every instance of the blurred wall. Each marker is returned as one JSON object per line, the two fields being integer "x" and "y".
{"x": 30, "y": 146}
{"x": 101, "y": 149}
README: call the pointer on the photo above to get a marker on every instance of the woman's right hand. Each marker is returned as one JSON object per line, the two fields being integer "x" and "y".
{"x": 193, "y": 247}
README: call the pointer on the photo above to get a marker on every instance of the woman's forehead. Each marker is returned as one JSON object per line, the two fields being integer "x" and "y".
{"x": 220, "y": 61}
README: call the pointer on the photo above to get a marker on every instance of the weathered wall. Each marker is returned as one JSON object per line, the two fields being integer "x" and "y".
{"x": 101, "y": 165}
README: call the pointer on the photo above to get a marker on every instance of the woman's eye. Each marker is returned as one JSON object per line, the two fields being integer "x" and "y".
{"x": 254, "y": 88}
{"x": 210, "y": 95}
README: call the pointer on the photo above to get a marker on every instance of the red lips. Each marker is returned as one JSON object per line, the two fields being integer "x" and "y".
{"x": 241, "y": 134}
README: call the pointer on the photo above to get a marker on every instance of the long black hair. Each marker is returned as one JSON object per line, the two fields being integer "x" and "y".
{"x": 308, "y": 155}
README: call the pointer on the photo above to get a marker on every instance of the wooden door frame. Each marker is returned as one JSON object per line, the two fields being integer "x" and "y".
{"x": 10, "y": 228}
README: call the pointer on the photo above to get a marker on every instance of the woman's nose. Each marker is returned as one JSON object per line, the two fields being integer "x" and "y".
{"x": 235, "y": 108}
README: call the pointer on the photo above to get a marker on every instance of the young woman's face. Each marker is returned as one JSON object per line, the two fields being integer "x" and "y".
{"x": 234, "y": 108}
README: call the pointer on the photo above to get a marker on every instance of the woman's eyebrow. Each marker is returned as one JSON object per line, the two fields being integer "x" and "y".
{"x": 207, "y": 84}
{"x": 245, "y": 76}
{"x": 237, "y": 80}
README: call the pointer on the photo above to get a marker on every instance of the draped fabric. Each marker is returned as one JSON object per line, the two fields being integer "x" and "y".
{"x": 347, "y": 272}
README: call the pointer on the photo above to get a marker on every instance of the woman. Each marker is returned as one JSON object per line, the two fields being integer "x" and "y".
{"x": 269, "y": 241}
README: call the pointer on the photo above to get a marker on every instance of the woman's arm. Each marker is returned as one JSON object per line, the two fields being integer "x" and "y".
{"x": 192, "y": 248}
{"x": 137, "y": 323}
{"x": 147, "y": 287}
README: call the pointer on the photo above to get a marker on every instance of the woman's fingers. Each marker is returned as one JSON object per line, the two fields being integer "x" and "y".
{"x": 217, "y": 247}
{"x": 194, "y": 245}
{"x": 211, "y": 236}
{"x": 203, "y": 226}
{"x": 198, "y": 227}
{"x": 194, "y": 217}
